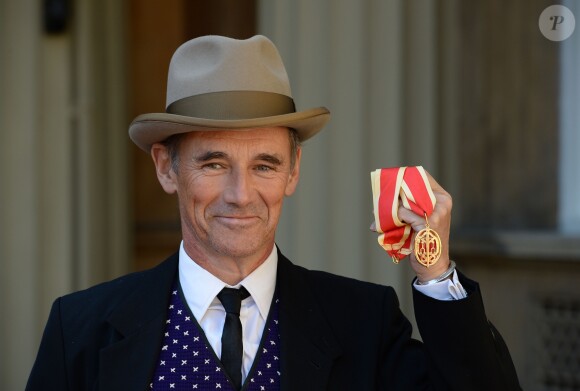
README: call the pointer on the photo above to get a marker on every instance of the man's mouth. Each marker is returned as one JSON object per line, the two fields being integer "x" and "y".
{"x": 235, "y": 220}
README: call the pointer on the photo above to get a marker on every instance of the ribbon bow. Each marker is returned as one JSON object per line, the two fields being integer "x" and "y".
{"x": 409, "y": 186}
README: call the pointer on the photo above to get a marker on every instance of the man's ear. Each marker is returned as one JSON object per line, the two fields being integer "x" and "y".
{"x": 163, "y": 167}
{"x": 294, "y": 174}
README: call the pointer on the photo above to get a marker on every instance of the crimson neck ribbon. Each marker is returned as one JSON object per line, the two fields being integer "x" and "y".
{"x": 408, "y": 186}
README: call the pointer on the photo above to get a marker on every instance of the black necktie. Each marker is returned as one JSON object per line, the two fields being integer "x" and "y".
{"x": 232, "y": 346}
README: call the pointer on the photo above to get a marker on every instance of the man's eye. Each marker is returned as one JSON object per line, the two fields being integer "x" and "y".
{"x": 264, "y": 168}
{"x": 212, "y": 166}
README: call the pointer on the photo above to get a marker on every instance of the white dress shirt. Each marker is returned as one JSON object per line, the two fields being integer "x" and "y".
{"x": 450, "y": 289}
{"x": 201, "y": 288}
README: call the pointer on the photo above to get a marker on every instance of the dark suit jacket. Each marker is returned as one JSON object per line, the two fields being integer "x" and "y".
{"x": 336, "y": 334}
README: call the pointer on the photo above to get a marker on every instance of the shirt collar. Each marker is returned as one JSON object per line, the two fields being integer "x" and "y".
{"x": 200, "y": 287}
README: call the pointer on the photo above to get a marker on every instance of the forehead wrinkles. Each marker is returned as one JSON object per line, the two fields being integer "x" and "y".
{"x": 234, "y": 142}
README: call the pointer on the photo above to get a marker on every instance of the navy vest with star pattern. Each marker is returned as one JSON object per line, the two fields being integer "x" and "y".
{"x": 187, "y": 361}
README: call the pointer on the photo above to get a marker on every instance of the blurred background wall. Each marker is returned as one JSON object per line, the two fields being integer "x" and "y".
{"x": 470, "y": 90}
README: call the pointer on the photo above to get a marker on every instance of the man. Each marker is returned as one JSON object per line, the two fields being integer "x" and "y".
{"x": 229, "y": 310}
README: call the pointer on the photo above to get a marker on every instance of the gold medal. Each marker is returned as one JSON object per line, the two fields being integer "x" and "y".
{"x": 427, "y": 245}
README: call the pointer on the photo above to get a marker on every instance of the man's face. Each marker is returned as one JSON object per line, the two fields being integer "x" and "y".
{"x": 230, "y": 186}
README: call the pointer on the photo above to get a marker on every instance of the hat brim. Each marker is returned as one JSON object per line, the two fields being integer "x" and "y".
{"x": 148, "y": 129}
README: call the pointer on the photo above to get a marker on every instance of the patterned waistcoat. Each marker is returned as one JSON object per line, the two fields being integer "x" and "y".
{"x": 188, "y": 362}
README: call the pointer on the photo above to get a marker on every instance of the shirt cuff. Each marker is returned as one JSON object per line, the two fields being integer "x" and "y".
{"x": 447, "y": 290}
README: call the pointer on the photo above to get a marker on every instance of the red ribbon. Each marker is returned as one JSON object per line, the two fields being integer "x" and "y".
{"x": 391, "y": 186}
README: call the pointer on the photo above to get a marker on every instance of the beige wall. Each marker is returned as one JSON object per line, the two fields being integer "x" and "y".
{"x": 378, "y": 65}
{"x": 365, "y": 61}
{"x": 63, "y": 222}
{"x": 471, "y": 91}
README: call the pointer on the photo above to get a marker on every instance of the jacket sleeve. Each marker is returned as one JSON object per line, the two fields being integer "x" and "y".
{"x": 464, "y": 350}
{"x": 403, "y": 363}
{"x": 49, "y": 370}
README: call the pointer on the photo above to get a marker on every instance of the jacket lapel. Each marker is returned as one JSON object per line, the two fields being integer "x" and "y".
{"x": 308, "y": 346}
{"x": 139, "y": 321}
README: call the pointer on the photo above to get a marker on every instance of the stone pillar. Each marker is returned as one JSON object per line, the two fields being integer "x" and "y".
{"x": 569, "y": 207}
{"x": 19, "y": 188}
{"x": 63, "y": 183}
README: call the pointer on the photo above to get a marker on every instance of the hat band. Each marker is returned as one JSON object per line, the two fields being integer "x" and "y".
{"x": 233, "y": 105}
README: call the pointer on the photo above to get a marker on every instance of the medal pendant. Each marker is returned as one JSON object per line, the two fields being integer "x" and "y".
{"x": 427, "y": 246}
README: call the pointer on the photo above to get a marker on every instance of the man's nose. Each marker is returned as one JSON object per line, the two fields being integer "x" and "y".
{"x": 239, "y": 188}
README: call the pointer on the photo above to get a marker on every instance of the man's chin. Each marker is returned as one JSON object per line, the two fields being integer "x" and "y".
{"x": 242, "y": 248}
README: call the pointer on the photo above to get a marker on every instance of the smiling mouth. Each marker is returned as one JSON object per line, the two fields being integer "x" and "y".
{"x": 237, "y": 220}
{"x": 237, "y": 217}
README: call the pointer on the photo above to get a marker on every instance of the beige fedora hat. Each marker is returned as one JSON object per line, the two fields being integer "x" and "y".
{"x": 218, "y": 83}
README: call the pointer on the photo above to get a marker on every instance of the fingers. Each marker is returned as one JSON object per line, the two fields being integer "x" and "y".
{"x": 441, "y": 216}
{"x": 439, "y": 221}
{"x": 435, "y": 186}
{"x": 409, "y": 217}
{"x": 443, "y": 199}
